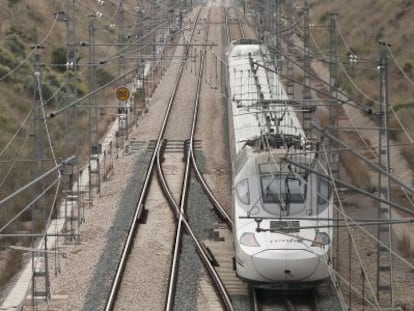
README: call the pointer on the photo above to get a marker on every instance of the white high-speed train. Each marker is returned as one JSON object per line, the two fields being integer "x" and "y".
{"x": 281, "y": 212}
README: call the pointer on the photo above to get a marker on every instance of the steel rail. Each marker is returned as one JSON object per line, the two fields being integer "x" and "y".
{"x": 225, "y": 298}
{"x": 291, "y": 301}
{"x": 169, "y": 305}
{"x": 180, "y": 211}
{"x": 240, "y": 25}
{"x": 221, "y": 211}
{"x": 316, "y": 304}
{"x": 134, "y": 222}
{"x": 253, "y": 299}
{"x": 289, "y": 304}
{"x": 227, "y": 26}
{"x": 174, "y": 266}
{"x": 201, "y": 251}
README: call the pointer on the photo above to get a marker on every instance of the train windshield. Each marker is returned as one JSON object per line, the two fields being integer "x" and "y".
{"x": 280, "y": 187}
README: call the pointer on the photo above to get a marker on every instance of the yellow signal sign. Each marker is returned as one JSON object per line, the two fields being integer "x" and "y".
{"x": 122, "y": 93}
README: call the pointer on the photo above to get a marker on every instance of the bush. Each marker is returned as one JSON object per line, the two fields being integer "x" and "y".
{"x": 400, "y": 106}
{"x": 103, "y": 76}
{"x": 7, "y": 58}
{"x": 82, "y": 88}
{"x": 13, "y": 2}
{"x": 408, "y": 153}
{"x": 27, "y": 35}
{"x": 408, "y": 68}
{"x": 53, "y": 79}
{"x": 15, "y": 44}
{"x": 47, "y": 91}
{"x": 13, "y": 263}
{"x": 59, "y": 58}
{"x": 4, "y": 70}
{"x": 23, "y": 75}
{"x": 324, "y": 18}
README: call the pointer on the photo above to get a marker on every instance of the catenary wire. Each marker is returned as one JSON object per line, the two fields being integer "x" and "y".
{"x": 342, "y": 211}
{"x": 20, "y": 128}
{"x": 32, "y": 51}
{"x": 15, "y": 158}
{"x": 30, "y": 204}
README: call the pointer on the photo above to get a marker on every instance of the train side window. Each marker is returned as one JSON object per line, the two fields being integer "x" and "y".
{"x": 324, "y": 191}
{"x": 242, "y": 191}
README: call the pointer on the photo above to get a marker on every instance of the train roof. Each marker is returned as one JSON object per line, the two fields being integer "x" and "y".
{"x": 259, "y": 102}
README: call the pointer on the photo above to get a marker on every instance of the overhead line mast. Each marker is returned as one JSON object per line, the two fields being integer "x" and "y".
{"x": 307, "y": 113}
{"x": 40, "y": 279}
{"x": 333, "y": 107}
{"x": 72, "y": 135}
{"x": 93, "y": 159}
{"x": 384, "y": 231}
{"x": 121, "y": 37}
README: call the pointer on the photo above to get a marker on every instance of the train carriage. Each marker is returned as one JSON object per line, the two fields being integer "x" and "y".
{"x": 281, "y": 212}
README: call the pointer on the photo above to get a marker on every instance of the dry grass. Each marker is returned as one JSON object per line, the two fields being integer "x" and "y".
{"x": 404, "y": 245}
{"x": 361, "y": 25}
{"x": 357, "y": 170}
{"x": 32, "y": 21}
{"x": 12, "y": 263}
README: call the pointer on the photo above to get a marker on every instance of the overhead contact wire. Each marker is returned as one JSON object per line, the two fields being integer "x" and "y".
{"x": 31, "y": 53}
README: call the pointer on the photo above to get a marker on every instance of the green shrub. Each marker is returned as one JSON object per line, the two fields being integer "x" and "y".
{"x": 13, "y": 2}
{"x": 47, "y": 91}
{"x": 23, "y": 75}
{"x": 103, "y": 76}
{"x": 4, "y": 70}
{"x": 400, "y": 106}
{"x": 15, "y": 44}
{"x": 27, "y": 35}
{"x": 53, "y": 79}
{"x": 13, "y": 263}
{"x": 7, "y": 58}
{"x": 59, "y": 58}
{"x": 324, "y": 18}
{"x": 82, "y": 88}
{"x": 408, "y": 68}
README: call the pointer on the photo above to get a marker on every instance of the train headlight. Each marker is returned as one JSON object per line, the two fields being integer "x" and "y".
{"x": 321, "y": 239}
{"x": 248, "y": 239}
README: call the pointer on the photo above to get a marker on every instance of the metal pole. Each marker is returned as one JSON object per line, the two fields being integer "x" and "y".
{"x": 307, "y": 109}
{"x": 333, "y": 107}
{"x": 39, "y": 214}
{"x": 72, "y": 134}
{"x": 121, "y": 38}
{"x": 278, "y": 39}
{"x": 384, "y": 232}
{"x": 93, "y": 118}
{"x": 290, "y": 88}
{"x": 38, "y": 141}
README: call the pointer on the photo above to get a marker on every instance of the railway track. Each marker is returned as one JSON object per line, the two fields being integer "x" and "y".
{"x": 299, "y": 300}
{"x": 181, "y": 193}
{"x": 234, "y": 25}
{"x": 180, "y": 209}
{"x": 176, "y": 191}
{"x": 115, "y": 288}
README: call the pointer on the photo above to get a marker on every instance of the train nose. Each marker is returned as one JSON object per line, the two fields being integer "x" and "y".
{"x": 285, "y": 264}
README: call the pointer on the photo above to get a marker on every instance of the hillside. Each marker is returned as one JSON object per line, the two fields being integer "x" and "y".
{"x": 25, "y": 24}
{"x": 361, "y": 25}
